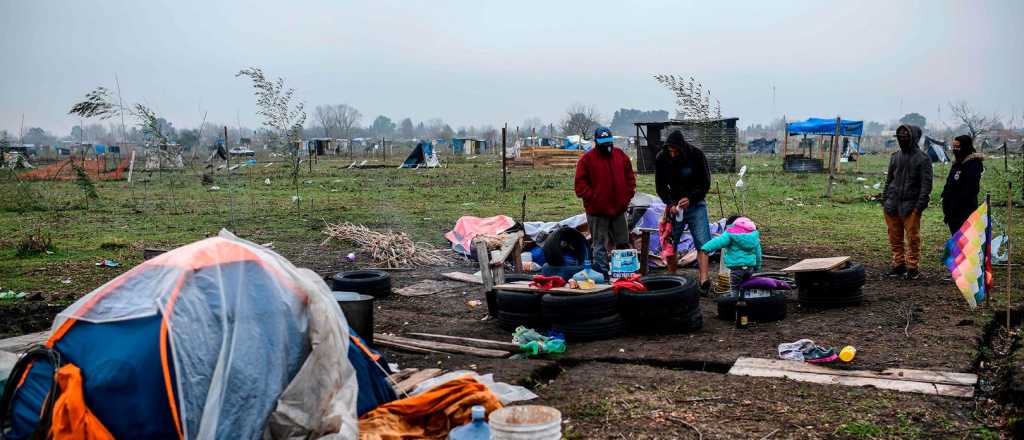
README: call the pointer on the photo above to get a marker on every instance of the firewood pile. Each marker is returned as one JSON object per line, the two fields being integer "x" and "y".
{"x": 389, "y": 249}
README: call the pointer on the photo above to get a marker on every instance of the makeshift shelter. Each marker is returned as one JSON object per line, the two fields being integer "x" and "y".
{"x": 822, "y": 127}
{"x": 220, "y": 338}
{"x": 762, "y": 146}
{"x": 936, "y": 149}
{"x": 468, "y": 146}
{"x": 716, "y": 138}
{"x": 421, "y": 157}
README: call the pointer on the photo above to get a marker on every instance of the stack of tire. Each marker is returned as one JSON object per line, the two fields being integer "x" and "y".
{"x": 671, "y": 304}
{"x": 834, "y": 288}
{"x": 762, "y": 305}
{"x": 375, "y": 283}
{"x": 588, "y": 317}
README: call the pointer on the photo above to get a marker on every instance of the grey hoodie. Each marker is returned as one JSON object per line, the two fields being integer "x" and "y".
{"x": 908, "y": 183}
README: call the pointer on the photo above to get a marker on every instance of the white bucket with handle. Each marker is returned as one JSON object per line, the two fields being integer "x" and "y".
{"x": 526, "y": 422}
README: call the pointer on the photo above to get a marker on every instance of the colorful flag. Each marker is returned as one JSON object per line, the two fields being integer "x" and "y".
{"x": 968, "y": 258}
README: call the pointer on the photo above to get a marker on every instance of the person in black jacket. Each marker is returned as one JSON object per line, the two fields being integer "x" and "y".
{"x": 960, "y": 195}
{"x": 908, "y": 188}
{"x": 682, "y": 179}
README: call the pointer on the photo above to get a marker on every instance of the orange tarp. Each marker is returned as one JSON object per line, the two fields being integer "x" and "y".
{"x": 95, "y": 168}
{"x": 430, "y": 415}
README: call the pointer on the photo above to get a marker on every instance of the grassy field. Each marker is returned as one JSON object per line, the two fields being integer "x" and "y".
{"x": 166, "y": 209}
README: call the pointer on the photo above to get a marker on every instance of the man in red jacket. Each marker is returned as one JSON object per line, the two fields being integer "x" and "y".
{"x": 606, "y": 183}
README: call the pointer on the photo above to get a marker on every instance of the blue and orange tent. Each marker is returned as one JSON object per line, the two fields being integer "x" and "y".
{"x": 217, "y": 339}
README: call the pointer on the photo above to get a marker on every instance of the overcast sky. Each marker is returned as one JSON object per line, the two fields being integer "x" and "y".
{"x": 490, "y": 62}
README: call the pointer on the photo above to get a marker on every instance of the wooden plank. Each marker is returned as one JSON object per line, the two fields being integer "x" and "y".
{"x": 473, "y": 342}
{"x": 943, "y": 377}
{"x": 426, "y": 287}
{"x": 464, "y": 277}
{"x": 517, "y": 254}
{"x": 483, "y": 256}
{"x": 404, "y": 347}
{"x": 442, "y": 346}
{"x": 19, "y": 344}
{"x": 831, "y": 379}
{"x": 817, "y": 264}
{"x": 497, "y": 270}
{"x": 402, "y": 374}
{"x": 409, "y": 383}
{"x": 524, "y": 287}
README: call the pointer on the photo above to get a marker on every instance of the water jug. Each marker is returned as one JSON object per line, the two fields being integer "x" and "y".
{"x": 476, "y": 429}
{"x": 588, "y": 274}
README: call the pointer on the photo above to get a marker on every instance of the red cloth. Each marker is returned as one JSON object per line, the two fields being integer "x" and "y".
{"x": 546, "y": 282}
{"x": 605, "y": 182}
{"x": 468, "y": 227}
{"x": 631, "y": 282}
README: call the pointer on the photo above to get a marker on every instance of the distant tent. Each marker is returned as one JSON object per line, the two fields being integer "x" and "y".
{"x": 762, "y": 146}
{"x": 936, "y": 149}
{"x": 421, "y": 157}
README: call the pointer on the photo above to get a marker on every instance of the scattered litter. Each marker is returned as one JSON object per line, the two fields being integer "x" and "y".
{"x": 10, "y": 294}
{"x": 66, "y": 281}
{"x": 351, "y": 256}
{"x": 266, "y": 181}
{"x": 743, "y": 171}
{"x": 473, "y": 303}
{"x": 268, "y": 245}
{"x": 789, "y": 199}
{"x": 308, "y": 182}
{"x": 861, "y": 179}
{"x": 847, "y": 353}
{"x": 877, "y": 185}
{"x": 504, "y": 392}
{"x": 295, "y": 199}
{"x": 806, "y": 350}
{"x": 214, "y": 188}
{"x": 533, "y": 343}
{"x": 739, "y": 183}
{"x": 867, "y": 187}
{"x": 336, "y": 181}
{"x": 108, "y": 263}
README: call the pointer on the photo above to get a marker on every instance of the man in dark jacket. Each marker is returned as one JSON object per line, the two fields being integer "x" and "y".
{"x": 606, "y": 183}
{"x": 908, "y": 187}
{"x": 960, "y": 195}
{"x": 682, "y": 179}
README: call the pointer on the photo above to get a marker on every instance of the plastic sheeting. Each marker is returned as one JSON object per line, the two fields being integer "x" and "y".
{"x": 506, "y": 393}
{"x": 467, "y": 227}
{"x": 826, "y": 127}
{"x": 259, "y": 346}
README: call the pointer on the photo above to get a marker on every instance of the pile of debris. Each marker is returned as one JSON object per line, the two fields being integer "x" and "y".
{"x": 391, "y": 250}
{"x": 546, "y": 157}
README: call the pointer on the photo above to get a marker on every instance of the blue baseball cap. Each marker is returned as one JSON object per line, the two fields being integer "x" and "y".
{"x": 603, "y": 135}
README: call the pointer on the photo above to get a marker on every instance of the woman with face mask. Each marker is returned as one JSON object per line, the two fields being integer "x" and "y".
{"x": 960, "y": 195}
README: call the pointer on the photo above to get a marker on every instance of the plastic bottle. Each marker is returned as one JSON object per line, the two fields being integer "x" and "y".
{"x": 742, "y": 314}
{"x": 588, "y": 274}
{"x": 847, "y": 353}
{"x": 476, "y": 429}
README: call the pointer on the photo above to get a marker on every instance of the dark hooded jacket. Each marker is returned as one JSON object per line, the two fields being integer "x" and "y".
{"x": 960, "y": 195}
{"x": 686, "y": 175}
{"x": 908, "y": 182}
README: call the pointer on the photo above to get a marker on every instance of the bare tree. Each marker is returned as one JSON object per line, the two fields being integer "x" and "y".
{"x": 327, "y": 117}
{"x": 580, "y": 119}
{"x": 975, "y": 122}
{"x": 346, "y": 117}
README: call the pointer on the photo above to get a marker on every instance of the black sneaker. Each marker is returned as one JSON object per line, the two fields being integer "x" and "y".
{"x": 705, "y": 288}
{"x": 897, "y": 271}
{"x": 913, "y": 274}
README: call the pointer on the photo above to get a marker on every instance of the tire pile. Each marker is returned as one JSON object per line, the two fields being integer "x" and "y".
{"x": 375, "y": 283}
{"x": 762, "y": 305}
{"x": 671, "y": 305}
{"x": 835, "y": 288}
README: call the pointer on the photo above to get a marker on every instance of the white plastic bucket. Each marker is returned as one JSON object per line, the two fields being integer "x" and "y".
{"x": 533, "y": 422}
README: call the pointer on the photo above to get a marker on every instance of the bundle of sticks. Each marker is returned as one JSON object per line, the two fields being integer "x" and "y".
{"x": 391, "y": 250}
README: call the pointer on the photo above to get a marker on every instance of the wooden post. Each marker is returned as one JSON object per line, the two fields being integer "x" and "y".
{"x": 384, "y": 149}
{"x": 517, "y": 256}
{"x": 645, "y": 249}
{"x": 499, "y": 267}
{"x": 483, "y": 256}
{"x": 988, "y": 248}
{"x": 832, "y": 160}
{"x": 1009, "y": 250}
{"x": 504, "y": 170}
{"x": 785, "y": 137}
{"x": 522, "y": 217}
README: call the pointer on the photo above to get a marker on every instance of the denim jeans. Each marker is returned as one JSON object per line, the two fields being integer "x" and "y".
{"x": 696, "y": 217}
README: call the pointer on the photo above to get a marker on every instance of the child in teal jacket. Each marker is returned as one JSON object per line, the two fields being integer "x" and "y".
{"x": 742, "y": 244}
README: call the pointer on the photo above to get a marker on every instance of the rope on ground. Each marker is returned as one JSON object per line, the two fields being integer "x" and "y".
{"x": 390, "y": 249}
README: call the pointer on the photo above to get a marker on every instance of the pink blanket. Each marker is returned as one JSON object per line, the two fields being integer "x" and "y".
{"x": 468, "y": 227}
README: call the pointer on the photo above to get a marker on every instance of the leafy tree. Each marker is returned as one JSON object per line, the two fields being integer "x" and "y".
{"x": 38, "y": 136}
{"x": 623, "y": 119}
{"x": 872, "y": 128}
{"x": 914, "y": 119}
{"x": 406, "y": 130}
{"x": 382, "y": 126}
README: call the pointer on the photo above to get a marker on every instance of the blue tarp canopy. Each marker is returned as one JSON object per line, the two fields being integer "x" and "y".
{"x": 826, "y": 127}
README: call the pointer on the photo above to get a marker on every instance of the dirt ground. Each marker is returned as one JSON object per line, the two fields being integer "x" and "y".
{"x": 673, "y": 386}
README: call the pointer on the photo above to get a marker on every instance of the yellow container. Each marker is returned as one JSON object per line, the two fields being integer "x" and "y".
{"x": 847, "y": 353}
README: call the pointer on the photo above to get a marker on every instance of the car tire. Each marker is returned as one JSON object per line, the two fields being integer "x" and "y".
{"x": 509, "y": 321}
{"x": 850, "y": 299}
{"x": 492, "y": 295}
{"x": 593, "y": 330}
{"x": 375, "y": 283}
{"x": 527, "y": 303}
{"x": 837, "y": 283}
{"x": 558, "y": 309}
{"x": 761, "y": 309}
{"x": 663, "y": 292}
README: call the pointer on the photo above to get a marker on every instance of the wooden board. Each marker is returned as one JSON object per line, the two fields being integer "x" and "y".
{"x": 910, "y": 381}
{"x": 409, "y": 383}
{"x": 19, "y": 344}
{"x": 524, "y": 286}
{"x": 427, "y": 287}
{"x": 473, "y": 342}
{"x": 442, "y": 346}
{"x": 402, "y": 374}
{"x": 406, "y": 348}
{"x": 817, "y": 264}
{"x": 464, "y": 277}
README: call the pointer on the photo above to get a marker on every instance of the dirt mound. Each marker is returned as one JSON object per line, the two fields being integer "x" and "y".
{"x": 97, "y": 169}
